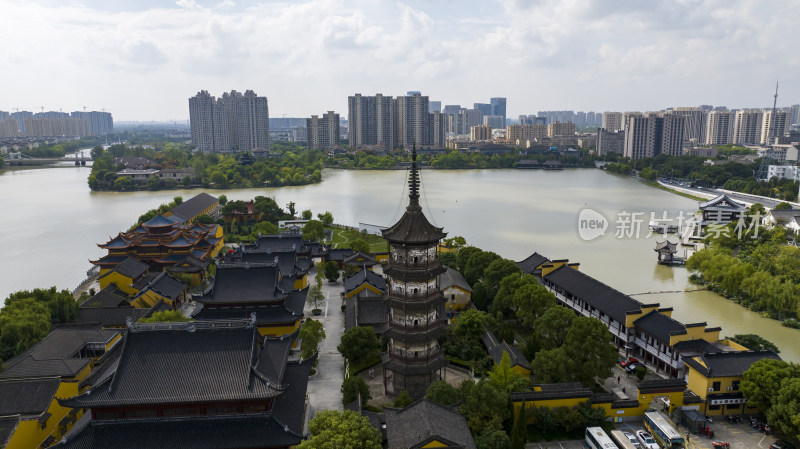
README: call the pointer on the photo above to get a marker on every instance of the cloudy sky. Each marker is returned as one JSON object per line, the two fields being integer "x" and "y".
{"x": 143, "y": 59}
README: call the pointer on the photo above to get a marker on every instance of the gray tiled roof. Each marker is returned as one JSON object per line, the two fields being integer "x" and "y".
{"x": 247, "y": 285}
{"x": 8, "y": 424}
{"x": 290, "y": 407}
{"x": 56, "y": 354}
{"x": 604, "y": 298}
{"x": 288, "y": 311}
{"x": 110, "y": 316}
{"x": 425, "y": 420}
{"x": 107, "y": 297}
{"x": 721, "y": 203}
{"x": 27, "y": 396}
{"x": 453, "y": 278}
{"x": 131, "y": 268}
{"x": 531, "y": 262}
{"x": 176, "y": 363}
{"x": 729, "y": 364}
{"x": 660, "y": 326}
{"x": 364, "y": 275}
{"x": 165, "y": 285}
{"x": 197, "y": 432}
{"x": 413, "y": 227}
{"x": 193, "y": 206}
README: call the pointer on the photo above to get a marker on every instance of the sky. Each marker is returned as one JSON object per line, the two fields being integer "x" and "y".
{"x": 143, "y": 59}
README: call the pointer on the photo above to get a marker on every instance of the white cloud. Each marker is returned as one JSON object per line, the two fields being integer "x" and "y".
{"x": 307, "y": 57}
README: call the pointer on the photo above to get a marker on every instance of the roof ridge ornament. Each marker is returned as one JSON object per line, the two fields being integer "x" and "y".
{"x": 413, "y": 182}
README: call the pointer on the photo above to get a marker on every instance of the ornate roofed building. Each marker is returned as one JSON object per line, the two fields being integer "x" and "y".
{"x": 162, "y": 243}
{"x": 204, "y": 385}
{"x": 416, "y": 315}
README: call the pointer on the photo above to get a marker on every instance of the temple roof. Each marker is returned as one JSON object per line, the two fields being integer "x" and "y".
{"x": 177, "y": 363}
{"x": 660, "y": 326}
{"x": 360, "y": 259}
{"x": 453, "y": 278}
{"x": 57, "y": 354}
{"x": 425, "y": 421}
{"x": 131, "y": 268}
{"x": 722, "y": 203}
{"x": 27, "y": 396}
{"x": 288, "y": 311}
{"x": 165, "y": 285}
{"x": 413, "y": 227}
{"x": 192, "y": 207}
{"x": 160, "y": 221}
{"x": 364, "y": 275}
{"x": 107, "y": 297}
{"x": 532, "y": 262}
{"x": 250, "y": 283}
{"x": 608, "y": 300}
{"x": 667, "y": 246}
{"x": 728, "y": 364}
{"x": 8, "y": 424}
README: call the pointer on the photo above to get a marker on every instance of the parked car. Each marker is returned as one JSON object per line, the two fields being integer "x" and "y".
{"x": 780, "y": 445}
{"x": 634, "y": 441}
{"x": 625, "y": 363}
{"x": 646, "y": 439}
{"x": 632, "y": 367}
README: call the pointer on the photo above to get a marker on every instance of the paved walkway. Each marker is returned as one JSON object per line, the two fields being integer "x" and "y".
{"x": 324, "y": 389}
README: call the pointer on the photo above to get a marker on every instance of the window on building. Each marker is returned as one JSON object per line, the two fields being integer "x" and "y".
{"x": 735, "y": 385}
{"x": 716, "y": 386}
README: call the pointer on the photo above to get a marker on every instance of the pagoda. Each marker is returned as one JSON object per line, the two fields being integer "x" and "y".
{"x": 414, "y": 299}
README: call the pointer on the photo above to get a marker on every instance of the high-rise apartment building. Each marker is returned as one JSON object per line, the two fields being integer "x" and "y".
{"x": 323, "y": 133}
{"x": 532, "y": 120}
{"x": 747, "y": 127}
{"x": 795, "y": 109}
{"x": 57, "y": 127}
{"x": 610, "y": 141}
{"x": 480, "y": 132}
{"x": 20, "y": 117}
{"x": 371, "y": 121}
{"x": 470, "y": 118}
{"x": 498, "y": 106}
{"x": 650, "y": 134}
{"x": 233, "y": 122}
{"x": 412, "y": 121}
{"x": 494, "y": 121}
{"x": 670, "y": 133}
{"x": 611, "y": 121}
{"x": 4, "y": 115}
{"x": 560, "y": 129}
{"x": 100, "y": 123}
{"x": 719, "y": 130}
{"x": 452, "y": 109}
{"x": 522, "y": 133}
{"x": 694, "y": 123}
{"x": 9, "y": 128}
{"x": 438, "y": 129}
{"x": 774, "y": 125}
{"x": 627, "y": 115}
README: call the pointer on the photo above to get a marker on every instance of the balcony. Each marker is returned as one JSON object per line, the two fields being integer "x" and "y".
{"x": 421, "y": 358}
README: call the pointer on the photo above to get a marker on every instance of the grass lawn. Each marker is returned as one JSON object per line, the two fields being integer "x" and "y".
{"x": 676, "y": 192}
{"x": 343, "y": 236}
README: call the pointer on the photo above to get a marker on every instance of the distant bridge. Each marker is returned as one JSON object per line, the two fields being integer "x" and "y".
{"x": 41, "y": 160}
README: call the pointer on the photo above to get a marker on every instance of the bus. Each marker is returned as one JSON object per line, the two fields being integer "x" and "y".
{"x": 622, "y": 441}
{"x": 661, "y": 428}
{"x": 596, "y": 438}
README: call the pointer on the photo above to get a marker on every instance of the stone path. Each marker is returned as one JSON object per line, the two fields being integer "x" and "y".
{"x": 324, "y": 389}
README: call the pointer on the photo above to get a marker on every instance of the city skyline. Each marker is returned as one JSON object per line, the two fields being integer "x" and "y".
{"x": 540, "y": 55}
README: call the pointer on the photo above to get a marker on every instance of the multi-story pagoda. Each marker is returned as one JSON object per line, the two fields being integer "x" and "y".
{"x": 416, "y": 316}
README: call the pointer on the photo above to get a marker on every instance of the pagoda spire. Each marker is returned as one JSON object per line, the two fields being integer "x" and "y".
{"x": 413, "y": 182}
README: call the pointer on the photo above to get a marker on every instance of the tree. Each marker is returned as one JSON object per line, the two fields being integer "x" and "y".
{"x": 326, "y": 218}
{"x": 455, "y": 243}
{"x": 205, "y": 219}
{"x": 22, "y": 324}
{"x": 504, "y": 299}
{"x": 359, "y": 344}
{"x": 166, "y": 316}
{"x": 591, "y": 350}
{"x": 594, "y": 416}
{"x": 496, "y": 271}
{"x": 785, "y": 411}
{"x": 307, "y": 214}
{"x": 551, "y": 328}
{"x": 123, "y": 183}
{"x": 492, "y": 439}
{"x": 268, "y": 208}
{"x": 311, "y": 334}
{"x": 402, "y": 400}
{"x": 352, "y": 387}
{"x": 331, "y": 271}
{"x": 519, "y": 433}
{"x": 763, "y": 379}
{"x": 442, "y": 392}
{"x": 60, "y": 303}
{"x": 783, "y": 206}
{"x": 754, "y": 342}
{"x": 550, "y": 366}
{"x": 360, "y": 245}
{"x": 477, "y": 264}
{"x": 463, "y": 257}
{"x": 506, "y": 379}
{"x": 223, "y": 200}
{"x": 483, "y": 405}
{"x": 332, "y": 429}
{"x": 531, "y": 301}
{"x": 290, "y": 206}
{"x": 313, "y": 230}
{"x": 315, "y": 295}
{"x": 235, "y": 207}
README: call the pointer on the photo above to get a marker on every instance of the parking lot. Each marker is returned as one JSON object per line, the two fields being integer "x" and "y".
{"x": 740, "y": 436}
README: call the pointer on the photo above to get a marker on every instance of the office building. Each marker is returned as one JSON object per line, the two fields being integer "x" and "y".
{"x": 469, "y": 118}
{"x": 452, "y": 109}
{"x": 719, "y": 130}
{"x": 494, "y": 121}
{"x": 694, "y": 123}
{"x": 499, "y": 107}
{"x": 434, "y": 106}
{"x": 747, "y": 127}
{"x": 233, "y": 122}
{"x": 480, "y": 132}
{"x": 771, "y": 128}
{"x": 485, "y": 108}
{"x": 560, "y": 129}
{"x": 611, "y": 121}
{"x": 323, "y": 133}
{"x": 795, "y": 110}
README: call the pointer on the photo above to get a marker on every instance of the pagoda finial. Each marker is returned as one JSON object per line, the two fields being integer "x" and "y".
{"x": 413, "y": 182}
